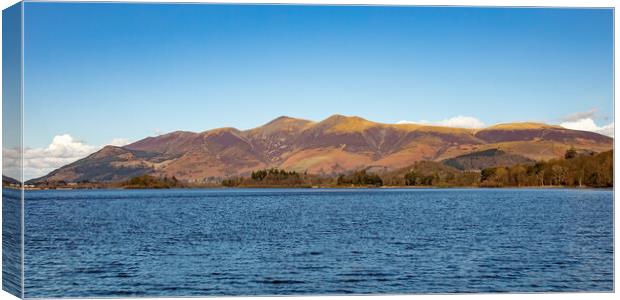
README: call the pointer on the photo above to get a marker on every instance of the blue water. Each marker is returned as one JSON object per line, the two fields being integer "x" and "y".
{"x": 11, "y": 241}
{"x": 270, "y": 241}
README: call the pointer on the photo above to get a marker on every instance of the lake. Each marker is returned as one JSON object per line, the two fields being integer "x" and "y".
{"x": 94, "y": 243}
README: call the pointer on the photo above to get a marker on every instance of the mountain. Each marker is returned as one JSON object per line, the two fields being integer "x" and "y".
{"x": 7, "y": 181}
{"x": 331, "y": 146}
{"x": 109, "y": 164}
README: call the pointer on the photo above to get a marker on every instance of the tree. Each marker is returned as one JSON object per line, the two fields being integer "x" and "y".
{"x": 411, "y": 178}
{"x": 518, "y": 174}
{"x": 570, "y": 153}
{"x": 487, "y": 174}
{"x": 559, "y": 173}
{"x": 540, "y": 176}
{"x": 361, "y": 178}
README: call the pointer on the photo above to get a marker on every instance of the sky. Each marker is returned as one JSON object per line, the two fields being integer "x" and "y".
{"x": 101, "y": 73}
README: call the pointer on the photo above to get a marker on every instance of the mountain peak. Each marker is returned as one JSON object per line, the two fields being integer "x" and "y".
{"x": 286, "y": 120}
{"x": 339, "y": 117}
{"x": 336, "y": 117}
{"x": 179, "y": 133}
{"x": 281, "y": 124}
{"x": 221, "y": 130}
{"x": 341, "y": 123}
{"x": 281, "y": 119}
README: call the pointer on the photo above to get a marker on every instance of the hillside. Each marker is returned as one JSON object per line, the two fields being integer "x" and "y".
{"x": 10, "y": 181}
{"x": 332, "y": 146}
{"x": 486, "y": 159}
{"x": 110, "y": 164}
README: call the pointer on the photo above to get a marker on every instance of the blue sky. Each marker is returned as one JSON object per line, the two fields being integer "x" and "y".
{"x": 100, "y": 72}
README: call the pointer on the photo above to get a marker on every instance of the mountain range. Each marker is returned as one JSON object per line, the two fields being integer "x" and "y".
{"x": 335, "y": 145}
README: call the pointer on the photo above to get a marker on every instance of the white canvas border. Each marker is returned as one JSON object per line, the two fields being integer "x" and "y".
{"x": 511, "y": 3}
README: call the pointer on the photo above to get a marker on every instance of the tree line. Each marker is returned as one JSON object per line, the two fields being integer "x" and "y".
{"x": 574, "y": 170}
{"x": 360, "y": 177}
{"x": 269, "y": 177}
{"x": 152, "y": 182}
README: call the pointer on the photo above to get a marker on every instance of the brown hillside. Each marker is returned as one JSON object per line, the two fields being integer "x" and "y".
{"x": 334, "y": 145}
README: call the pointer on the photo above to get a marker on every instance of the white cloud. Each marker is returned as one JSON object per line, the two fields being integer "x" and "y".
{"x": 458, "y": 121}
{"x": 588, "y": 114}
{"x": 462, "y": 122}
{"x": 423, "y": 122}
{"x": 119, "y": 142}
{"x": 587, "y": 124}
{"x": 63, "y": 150}
{"x": 607, "y": 130}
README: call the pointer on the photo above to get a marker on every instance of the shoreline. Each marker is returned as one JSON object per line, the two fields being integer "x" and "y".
{"x": 321, "y": 188}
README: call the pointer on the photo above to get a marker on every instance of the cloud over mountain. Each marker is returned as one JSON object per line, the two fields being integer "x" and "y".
{"x": 588, "y": 114}
{"x": 458, "y": 122}
{"x": 584, "y": 120}
{"x": 588, "y": 124}
{"x": 63, "y": 149}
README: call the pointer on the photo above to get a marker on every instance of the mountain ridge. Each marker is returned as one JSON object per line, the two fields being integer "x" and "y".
{"x": 334, "y": 145}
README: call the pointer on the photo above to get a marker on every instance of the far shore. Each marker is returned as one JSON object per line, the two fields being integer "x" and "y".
{"x": 312, "y": 187}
